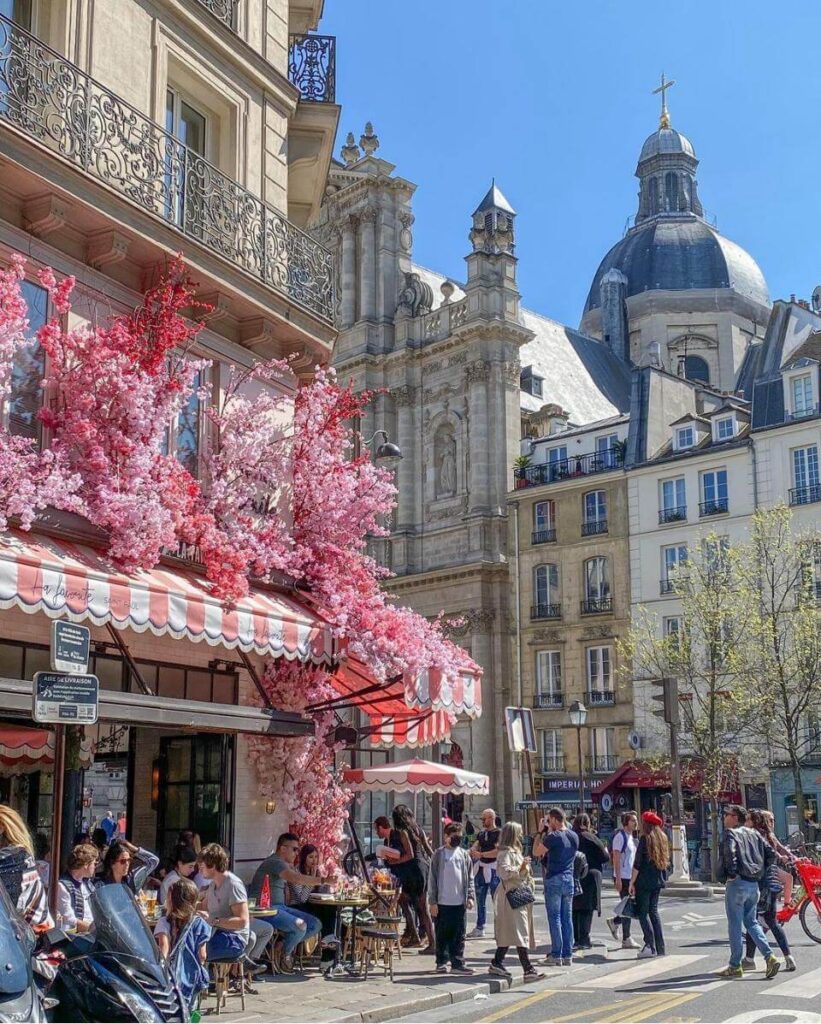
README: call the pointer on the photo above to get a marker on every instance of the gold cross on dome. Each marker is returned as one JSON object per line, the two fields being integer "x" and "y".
{"x": 664, "y": 120}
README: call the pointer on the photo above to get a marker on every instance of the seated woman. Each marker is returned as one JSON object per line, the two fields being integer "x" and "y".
{"x": 183, "y": 865}
{"x": 182, "y": 935}
{"x": 297, "y": 895}
{"x": 18, "y": 870}
{"x": 75, "y": 888}
{"x": 129, "y": 864}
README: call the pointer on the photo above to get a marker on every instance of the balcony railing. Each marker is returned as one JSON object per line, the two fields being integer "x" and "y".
{"x": 564, "y": 469}
{"x": 673, "y": 515}
{"x": 596, "y": 605}
{"x": 802, "y": 414}
{"x": 545, "y": 611}
{"x": 551, "y": 765}
{"x": 594, "y": 526}
{"x": 225, "y": 10}
{"x": 667, "y": 586}
{"x": 548, "y": 700}
{"x": 715, "y": 507}
{"x": 542, "y": 536}
{"x": 805, "y": 495}
{"x": 602, "y": 764}
{"x": 312, "y": 67}
{"x": 53, "y": 102}
{"x": 601, "y": 698}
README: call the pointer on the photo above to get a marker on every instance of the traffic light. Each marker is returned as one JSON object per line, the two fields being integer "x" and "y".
{"x": 668, "y": 698}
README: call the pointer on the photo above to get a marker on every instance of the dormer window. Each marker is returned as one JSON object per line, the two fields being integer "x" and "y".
{"x": 724, "y": 428}
{"x": 685, "y": 438}
{"x": 802, "y": 399}
{"x": 531, "y": 382}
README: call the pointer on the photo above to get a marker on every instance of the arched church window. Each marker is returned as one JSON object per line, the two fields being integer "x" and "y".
{"x": 671, "y": 191}
{"x": 654, "y": 195}
{"x": 696, "y": 368}
{"x": 444, "y": 458}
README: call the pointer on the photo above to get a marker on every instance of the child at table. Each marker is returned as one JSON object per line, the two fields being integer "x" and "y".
{"x": 181, "y": 936}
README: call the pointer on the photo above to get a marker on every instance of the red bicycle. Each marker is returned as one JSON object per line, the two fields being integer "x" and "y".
{"x": 806, "y": 899}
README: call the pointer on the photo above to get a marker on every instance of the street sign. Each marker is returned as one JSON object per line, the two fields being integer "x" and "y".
{"x": 521, "y": 736}
{"x": 61, "y": 699}
{"x": 606, "y": 802}
{"x": 69, "y": 647}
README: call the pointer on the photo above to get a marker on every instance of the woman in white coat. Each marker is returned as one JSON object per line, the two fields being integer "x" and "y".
{"x": 513, "y": 926}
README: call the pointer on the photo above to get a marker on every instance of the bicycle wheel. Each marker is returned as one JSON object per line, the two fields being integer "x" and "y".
{"x": 811, "y": 920}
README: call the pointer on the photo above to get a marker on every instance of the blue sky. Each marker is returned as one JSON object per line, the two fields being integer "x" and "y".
{"x": 554, "y": 100}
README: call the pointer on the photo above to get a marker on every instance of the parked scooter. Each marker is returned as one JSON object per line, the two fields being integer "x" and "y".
{"x": 118, "y": 974}
{"x": 20, "y": 998}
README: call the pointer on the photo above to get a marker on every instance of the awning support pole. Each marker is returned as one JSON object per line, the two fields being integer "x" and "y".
{"x": 57, "y": 816}
{"x": 132, "y": 665}
{"x": 356, "y": 842}
{"x": 252, "y": 672}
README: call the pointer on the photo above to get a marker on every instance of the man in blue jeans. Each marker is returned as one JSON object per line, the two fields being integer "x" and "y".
{"x": 558, "y": 846}
{"x": 279, "y": 869}
{"x": 483, "y": 852}
{"x": 745, "y": 860}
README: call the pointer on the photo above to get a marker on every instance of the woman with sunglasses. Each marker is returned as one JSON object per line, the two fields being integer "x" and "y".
{"x": 128, "y": 864}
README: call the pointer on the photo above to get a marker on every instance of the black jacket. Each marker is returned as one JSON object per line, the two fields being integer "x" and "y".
{"x": 744, "y": 854}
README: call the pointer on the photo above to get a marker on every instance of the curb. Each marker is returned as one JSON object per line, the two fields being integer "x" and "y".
{"x": 431, "y": 1002}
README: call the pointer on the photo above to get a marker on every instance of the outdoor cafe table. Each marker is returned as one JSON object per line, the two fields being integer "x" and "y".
{"x": 340, "y": 903}
{"x": 266, "y": 914}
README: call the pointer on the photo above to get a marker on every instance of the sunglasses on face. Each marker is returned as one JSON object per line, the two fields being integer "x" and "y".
{"x": 123, "y": 860}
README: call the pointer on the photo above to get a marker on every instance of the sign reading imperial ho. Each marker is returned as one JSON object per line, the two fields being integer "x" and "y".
{"x": 61, "y": 699}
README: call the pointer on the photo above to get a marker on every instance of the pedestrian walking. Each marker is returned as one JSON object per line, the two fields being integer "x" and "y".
{"x": 512, "y": 909}
{"x": 450, "y": 895}
{"x": 557, "y": 846}
{"x": 744, "y": 861}
{"x": 483, "y": 851}
{"x": 411, "y": 868}
{"x": 769, "y": 887}
{"x": 647, "y": 880}
{"x": 589, "y": 899}
{"x": 623, "y": 854}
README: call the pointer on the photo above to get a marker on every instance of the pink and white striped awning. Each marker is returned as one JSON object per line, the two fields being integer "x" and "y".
{"x": 73, "y": 581}
{"x": 457, "y": 694}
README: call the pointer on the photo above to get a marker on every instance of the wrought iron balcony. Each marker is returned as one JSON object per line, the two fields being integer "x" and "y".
{"x": 597, "y": 605}
{"x": 551, "y": 765}
{"x": 602, "y": 764}
{"x": 673, "y": 515}
{"x": 715, "y": 507}
{"x": 565, "y": 469}
{"x": 805, "y": 495}
{"x": 802, "y": 414}
{"x": 225, "y": 10}
{"x": 667, "y": 586}
{"x": 542, "y": 536}
{"x": 601, "y": 698}
{"x": 545, "y": 611}
{"x": 548, "y": 700}
{"x": 594, "y": 526}
{"x": 54, "y": 103}
{"x": 312, "y": 67}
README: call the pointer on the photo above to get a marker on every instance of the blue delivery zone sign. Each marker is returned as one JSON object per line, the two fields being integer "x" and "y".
{"x": 61, "y": 699}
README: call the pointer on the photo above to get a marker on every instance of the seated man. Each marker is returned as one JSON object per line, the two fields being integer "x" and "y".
{"x": 279, "y": 869}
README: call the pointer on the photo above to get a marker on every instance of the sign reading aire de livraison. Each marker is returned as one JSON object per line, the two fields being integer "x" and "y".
{"x": 65, "y": 699}
{"x": 70, "y": 645}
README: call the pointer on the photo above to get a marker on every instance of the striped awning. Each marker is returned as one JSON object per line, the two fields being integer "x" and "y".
{"x": 456, "y": 694}
{"x": 63, "y": 579}
{"x": 32, "y": 750}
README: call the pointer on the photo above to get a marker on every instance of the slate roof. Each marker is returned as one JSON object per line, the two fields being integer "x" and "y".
{"x": 666, "y": 140}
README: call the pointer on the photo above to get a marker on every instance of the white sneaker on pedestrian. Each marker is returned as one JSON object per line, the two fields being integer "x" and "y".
{"x": 646, "y": 953}
{"x": 552, "y": 961}
{"x": 629, "y": 943}
{"x": 614, "y": 926}
{"x": 789, "y": 963}
{"x": 477, "y": 933}
{"x": 748, "y": 963}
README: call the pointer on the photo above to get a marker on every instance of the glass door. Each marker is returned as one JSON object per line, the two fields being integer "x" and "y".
{"x": 196, "y": 789}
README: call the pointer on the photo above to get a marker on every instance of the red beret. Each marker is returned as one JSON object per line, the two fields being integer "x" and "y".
{"x": 652, "y": 818}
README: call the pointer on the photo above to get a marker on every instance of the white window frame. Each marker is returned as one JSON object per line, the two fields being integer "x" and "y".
{"x": 5, "y": 407}
{"x": 670, "y": 625}
{"x": 706, "y": 474}
{"x": 549, "y": 672}
{"x": 542, "y": 523}
{"x": 673, "y": 482}
{"x": 599, "y": 669}
{"x": 809, "y": 474}
{"x": 604, "y": 585}
{"x": 552, "y": 751}
{"x": 804, "y": 404}
{"x": 675, "y": 563}
{"x": 685, "y": 438}
{"x": 599, "y": 497}
{"x": 552, "y": 598}
{"x": 722, "y": 421}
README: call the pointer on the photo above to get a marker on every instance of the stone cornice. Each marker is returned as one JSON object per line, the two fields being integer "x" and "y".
{"x": 451, "y": 574}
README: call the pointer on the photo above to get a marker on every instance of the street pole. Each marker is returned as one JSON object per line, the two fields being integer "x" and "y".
{"x": 581, "y": 768}
{"x": 436, "y": 806}
{"x": 535, "y": 810}
{"x": 58, "y": 794}
{"x": 681, "y": 862}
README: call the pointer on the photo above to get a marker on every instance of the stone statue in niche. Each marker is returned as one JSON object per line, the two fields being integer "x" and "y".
{"x": 445, "y": 464}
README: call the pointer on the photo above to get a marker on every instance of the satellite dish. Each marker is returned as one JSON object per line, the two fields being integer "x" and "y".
{"x": 634, "y": 740}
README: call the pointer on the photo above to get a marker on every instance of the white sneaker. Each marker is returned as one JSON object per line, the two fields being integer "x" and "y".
{"x": 614, "y": 926}
{"x": 477, "y": 933}
{"x": 629, "y": 943}
{"x": 789, "y": 963}
{"x": 646, "y": 953}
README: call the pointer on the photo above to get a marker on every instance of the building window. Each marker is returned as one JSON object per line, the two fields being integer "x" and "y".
{"x": 552, "y": 750}
{"x": 546, "y": 589}
{"x": 685, "y": 438}
{"x": 549, "y": 678}
{"x": 183, "y": 438}
{"x": 671, "y": 192}
{"x": 673, "y": 557}
{"x": 805, "y": 480}
{"x": 189, "y": 126}
{"x": 599, "y": 675}
{"x": 654, "y": 196}
{"x": 673, "y": 501}
{"x": 696, "y": 368}
{"x": 594, "y": 512}
{"x": 725, "y": 428}
{"x": 596, "y": 586}
{"x": 801, "y": 395}
{"x": 671, "y": 625}
{"x": 544, "y": 522}
{"x": 557, "y": 463}
{"x": 714, "y": 497}
{"x": 606, "y": 449}
{"x": 25, "y": 387}
{"x": 603, "y": 750}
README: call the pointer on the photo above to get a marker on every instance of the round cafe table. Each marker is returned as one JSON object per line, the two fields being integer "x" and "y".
{"x": 340, "y": 903}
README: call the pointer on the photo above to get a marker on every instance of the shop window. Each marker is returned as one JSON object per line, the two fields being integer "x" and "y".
{"x": 25, "y": 389}
{"x": 11, "y": 661}
{"x": 196, "y": 788}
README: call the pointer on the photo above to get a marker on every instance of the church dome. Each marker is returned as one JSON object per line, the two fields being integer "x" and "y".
{"x": 677, "y": 254}
{"x": 666, "y": 141}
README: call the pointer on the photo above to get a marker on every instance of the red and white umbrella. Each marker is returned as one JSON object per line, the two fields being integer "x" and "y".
{"x": 416, "y": 776}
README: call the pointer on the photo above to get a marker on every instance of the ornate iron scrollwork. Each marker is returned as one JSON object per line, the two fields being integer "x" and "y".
{"x": 222, "y": 9}
{"x": 51, "y": 100}
{"x": 312, "y": 67}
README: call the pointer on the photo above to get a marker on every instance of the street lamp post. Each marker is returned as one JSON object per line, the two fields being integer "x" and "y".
{"x": 388, "y": 453}
{"x": 578, "y": 716}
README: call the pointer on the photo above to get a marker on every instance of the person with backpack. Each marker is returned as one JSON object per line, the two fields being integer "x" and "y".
{"x": 623, "y": 848}
{"x": 557, "y": 846}
{"x": 745, "y": 859}
{"x": 769, "y": 887}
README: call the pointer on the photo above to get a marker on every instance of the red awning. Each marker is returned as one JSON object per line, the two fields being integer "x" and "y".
{"x": 640, "y": 775}
{"x": 459, "y": 694}
{"x": 32, "y": 750}
{"x": 74, "y": 581}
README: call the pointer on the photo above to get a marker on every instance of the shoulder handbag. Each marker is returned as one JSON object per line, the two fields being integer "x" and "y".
{"x": 520, "y": 896}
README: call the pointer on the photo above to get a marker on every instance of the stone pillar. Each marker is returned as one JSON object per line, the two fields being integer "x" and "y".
{"x": 347, "y": 311}
{"x": 477, "y": 376}
{"x": 407, "y": 482}
{"x": 367, "y": 282}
